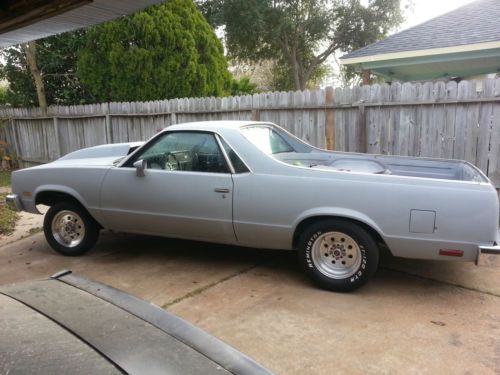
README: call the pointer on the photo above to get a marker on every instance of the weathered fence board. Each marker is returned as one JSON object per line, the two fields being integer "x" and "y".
{"x": 430, "y": 119}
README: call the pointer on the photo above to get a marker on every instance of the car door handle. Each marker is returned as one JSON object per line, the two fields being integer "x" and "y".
{"x": 222, "y": 190}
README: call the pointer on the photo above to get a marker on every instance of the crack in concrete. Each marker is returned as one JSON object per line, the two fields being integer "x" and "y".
{"x": 461, "y": 286}
{"x": 248, "y": 269}
{"x": 211, "y": 285}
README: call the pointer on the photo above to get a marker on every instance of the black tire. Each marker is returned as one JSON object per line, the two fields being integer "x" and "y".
{"x": 325, "y": 257}
{"x": 85, "y": 239}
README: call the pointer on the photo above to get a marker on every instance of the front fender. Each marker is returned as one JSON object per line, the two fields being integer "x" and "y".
{"x": 30, "y": 205}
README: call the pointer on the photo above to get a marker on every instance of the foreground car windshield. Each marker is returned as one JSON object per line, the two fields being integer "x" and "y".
{"x": 267, "y": 140}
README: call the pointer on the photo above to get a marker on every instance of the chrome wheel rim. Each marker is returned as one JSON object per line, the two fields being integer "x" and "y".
{"x": 336, "y": 255}
{"x": 68, "y": 228}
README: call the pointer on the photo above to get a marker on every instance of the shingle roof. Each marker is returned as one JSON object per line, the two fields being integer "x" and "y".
{"x": 477, "y": 22}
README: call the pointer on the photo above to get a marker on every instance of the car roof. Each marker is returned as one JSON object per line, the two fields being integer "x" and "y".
{"x": 215, "y": 125}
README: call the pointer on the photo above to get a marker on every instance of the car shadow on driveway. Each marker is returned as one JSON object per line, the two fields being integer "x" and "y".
{"x": 135, "y": 258}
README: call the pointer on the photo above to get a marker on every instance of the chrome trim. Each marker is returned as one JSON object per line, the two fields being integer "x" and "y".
{"x": 12, "y": 201}
{"x": 228, "y": 161}
{"x": 484, "y": 254}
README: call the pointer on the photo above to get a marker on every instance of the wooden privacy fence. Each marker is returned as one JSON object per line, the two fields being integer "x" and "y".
{"x": 430, "y": 119}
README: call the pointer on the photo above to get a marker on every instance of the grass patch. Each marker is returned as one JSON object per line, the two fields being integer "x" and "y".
{"x": 35, "y": 230}
{"x": 8, "y": 218}
{"x": 5, "y": 178}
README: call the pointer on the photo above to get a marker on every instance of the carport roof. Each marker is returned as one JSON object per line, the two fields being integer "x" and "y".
{"x": 463, "y": 42}
{"x": 23, "y": 21}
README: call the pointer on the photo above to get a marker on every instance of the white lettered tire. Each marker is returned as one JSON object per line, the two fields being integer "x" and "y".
{"x": 338, "y": 255}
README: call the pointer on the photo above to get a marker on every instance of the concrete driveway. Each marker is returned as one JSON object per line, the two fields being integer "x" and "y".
{"x": 414, "y": 317}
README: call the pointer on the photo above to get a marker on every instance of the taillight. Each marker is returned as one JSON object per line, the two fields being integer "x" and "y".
{"x": 451, "y": 253}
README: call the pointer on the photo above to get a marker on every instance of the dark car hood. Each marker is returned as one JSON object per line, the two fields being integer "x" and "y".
{"x": 73, "y": 325}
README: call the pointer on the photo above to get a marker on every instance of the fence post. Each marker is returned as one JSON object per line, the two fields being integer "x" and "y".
{"x": 107, "y": 123}
{"x": 255, "y": 107}
{"x": 10, "y": 137}
{"x": 16, "y": 144}
{"x": 255, "y": 115}
{"x": 362, "y": 145}
{"x": 330, "y": 119}
{"x": 56, "y": 137}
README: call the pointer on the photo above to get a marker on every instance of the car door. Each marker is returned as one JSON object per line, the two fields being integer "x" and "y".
{"x": 185, "y": 191}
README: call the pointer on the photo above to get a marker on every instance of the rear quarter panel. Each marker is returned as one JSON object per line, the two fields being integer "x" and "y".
{"x": 268, "y": 208}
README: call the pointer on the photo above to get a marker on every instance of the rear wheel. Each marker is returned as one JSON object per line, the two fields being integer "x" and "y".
{"x": 338, "y": 255}
{"x": 69, "y": 229}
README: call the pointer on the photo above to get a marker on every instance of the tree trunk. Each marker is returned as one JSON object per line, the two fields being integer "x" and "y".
{"x": 365, "y": 74}
{"x": 298, "y": 73}
{"x": 291, "y": 54}
{"x": 301, "y": 76}
{"x": 303, "y": 82}
{"x": 30, "y": 51}
{"x": 295, "y": 72}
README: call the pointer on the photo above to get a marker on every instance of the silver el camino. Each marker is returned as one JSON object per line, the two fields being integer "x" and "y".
{"x": 254, "y": 184}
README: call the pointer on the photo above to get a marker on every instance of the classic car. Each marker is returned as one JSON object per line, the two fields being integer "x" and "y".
{"x": 68, "y": 324}
{"x": 254, "y": 184}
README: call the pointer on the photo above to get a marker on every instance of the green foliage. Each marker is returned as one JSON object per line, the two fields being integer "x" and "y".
{"x": 8, "y": 218}
{"x": 4, "y": 178}
{"x": 56, "y": 57}
{"x": 166, "y": 51}
{"x": 243, "y": 86}
{"x": 282, "y": 77}
{"x": 3, "y": 96}
{"x": 301, "y": 33}
{"x": 162, "y": 52}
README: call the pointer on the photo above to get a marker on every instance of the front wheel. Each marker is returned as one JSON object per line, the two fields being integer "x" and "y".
{"x": 338, "y": 255}
{"x": 69, "y": 229}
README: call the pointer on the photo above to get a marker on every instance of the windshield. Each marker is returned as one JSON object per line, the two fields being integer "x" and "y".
{"x": 267, "y": 140}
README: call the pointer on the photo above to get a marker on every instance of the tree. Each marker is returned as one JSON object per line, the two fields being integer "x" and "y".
{"x": 282, "y": 77}
{"x": 166, "y": 51}
{"x": 243, "y": 86}
{"x": 3, "y": 96}
{"x": 301, "y": 33}
{"x": 30, "y": 53}
{"x": 54, "y": 59}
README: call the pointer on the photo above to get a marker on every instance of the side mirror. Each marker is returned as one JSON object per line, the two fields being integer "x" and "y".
{"x": 140, "y": 166}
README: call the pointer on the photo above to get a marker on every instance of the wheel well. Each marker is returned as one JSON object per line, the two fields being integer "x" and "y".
{"x": 50, "y": 198}
{"x": 314, "y": 219}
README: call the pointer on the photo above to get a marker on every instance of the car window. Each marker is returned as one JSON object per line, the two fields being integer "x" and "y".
{"x": 267, "y": 140}
{"x": 238, "y": 165}
{"x": 185, "y": 151}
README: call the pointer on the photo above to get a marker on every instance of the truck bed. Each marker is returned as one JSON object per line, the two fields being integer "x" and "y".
{"x": 457, "y": 170}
